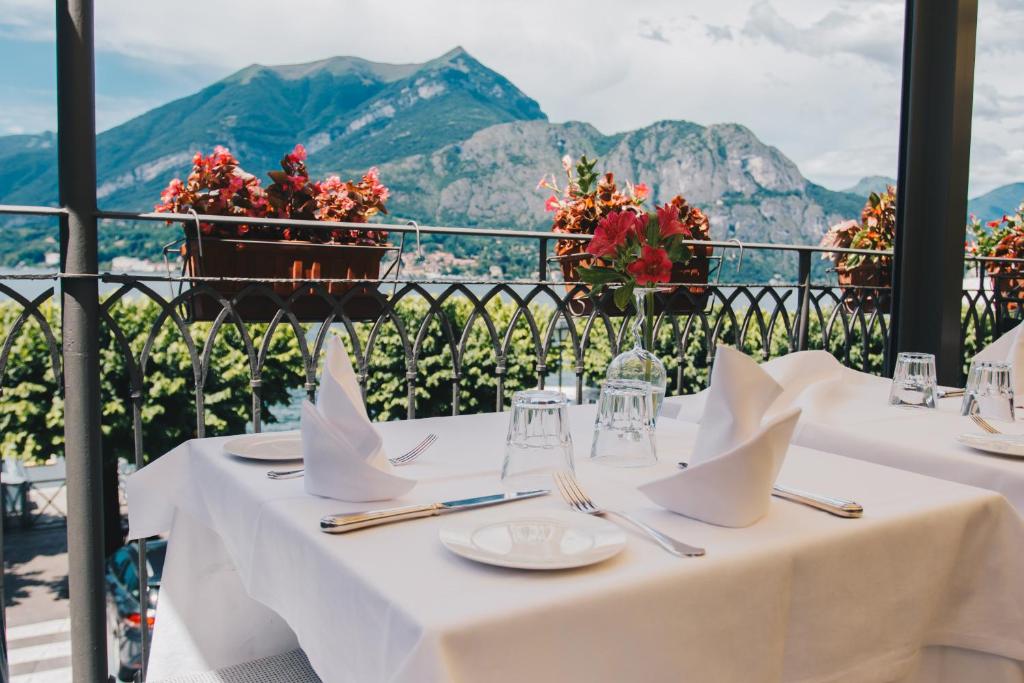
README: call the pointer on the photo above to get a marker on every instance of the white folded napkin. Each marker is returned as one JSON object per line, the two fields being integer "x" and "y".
{"x": 1010, "y": 348}
{"x": 736, "y": 458}
{"x": 342, "y": 452}
{"x": 739, "y": 395}
{"x": 795, "y": 373}
{"x": 733, "y": 488}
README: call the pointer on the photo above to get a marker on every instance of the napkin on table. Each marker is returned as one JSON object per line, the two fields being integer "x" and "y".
{"x": 1009, "y": 347}
{"x": 342, "y": 452}
{"x": 737, "y": 457}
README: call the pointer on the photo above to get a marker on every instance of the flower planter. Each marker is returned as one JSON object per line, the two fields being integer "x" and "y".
{"x": 1009, "y": 293}
{"x": 256, "y": 259}
{"x": 670, "y": 300}
{"x": 867, "y": 288}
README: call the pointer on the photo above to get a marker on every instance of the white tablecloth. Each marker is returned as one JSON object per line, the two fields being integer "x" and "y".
{"x": 929, "y": 581}
{"x": 851, "y": 416}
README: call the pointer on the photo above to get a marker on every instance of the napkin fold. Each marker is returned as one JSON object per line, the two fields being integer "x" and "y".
{"x": 342, "y": 452}
{"x": 1010, "y": 348}
{"x": 739, "y": 395}
{"x": 737, "y": 455}
{"x": 733, "y": 488}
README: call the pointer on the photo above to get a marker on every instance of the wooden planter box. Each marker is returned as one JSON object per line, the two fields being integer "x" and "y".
{"x": 263, "y": 259}
{"x": 856, "y": 285}
{"x": 670, "y": 301}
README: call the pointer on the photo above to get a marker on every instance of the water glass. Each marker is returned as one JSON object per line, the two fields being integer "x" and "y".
{"x": 538, "y": 442}
{"x": 913, "y": 382}
{"x": 624, "y": 428}
{"x": 989, "y": 390}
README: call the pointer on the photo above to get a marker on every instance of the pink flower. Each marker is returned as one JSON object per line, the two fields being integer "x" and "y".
{"x": 993, "y": 224}
{"x": 297, "y": 182}
{"x": 552, "y": 204}
{"x": 296, "y": 155}
{"x": 542, "y": 182}
{"x": 652, "y": 266}
{"x": 567, "y": 163}
{"x": 641, "y": 191}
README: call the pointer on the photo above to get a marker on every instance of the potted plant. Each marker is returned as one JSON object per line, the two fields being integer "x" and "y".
{"x": 1002, "y": 238}
{"x": 581, "y": 206}
{"x": 217, "y": 185}
{"x": 865, "y": 279}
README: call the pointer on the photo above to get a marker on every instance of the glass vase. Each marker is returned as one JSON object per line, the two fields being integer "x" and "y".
{"x": 639, "y": 362}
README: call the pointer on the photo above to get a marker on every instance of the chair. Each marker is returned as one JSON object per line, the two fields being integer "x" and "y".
{"x": 289, "y": 667}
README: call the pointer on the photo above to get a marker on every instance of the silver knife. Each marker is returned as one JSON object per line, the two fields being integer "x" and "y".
{"x": 339, "y": 524}
{"x": 839, "y": 507}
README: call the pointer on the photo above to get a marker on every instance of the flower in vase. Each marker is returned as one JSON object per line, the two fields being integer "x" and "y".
{"x": 669, "y": 223}
{"x": 614, "y": 230}
{"x": 652, "y": 267}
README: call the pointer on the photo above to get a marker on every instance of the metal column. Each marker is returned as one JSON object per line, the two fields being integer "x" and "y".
{"x": 935, "y": 145}
{"x": 76, "y": 131}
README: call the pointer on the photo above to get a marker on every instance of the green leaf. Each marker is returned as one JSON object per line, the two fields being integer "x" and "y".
{"x": 623, "y": 295}
{"x": 598, "y": 275}
{"x": 653, "y": 230}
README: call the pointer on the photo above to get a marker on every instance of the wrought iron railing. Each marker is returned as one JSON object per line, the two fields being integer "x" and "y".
{"x": 517, "y": 333}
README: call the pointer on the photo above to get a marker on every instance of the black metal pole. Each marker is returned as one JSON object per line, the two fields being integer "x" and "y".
{"x": 76, "y": 150}
{"x": 935, "y": 145}
{"x": 804, "y": 308}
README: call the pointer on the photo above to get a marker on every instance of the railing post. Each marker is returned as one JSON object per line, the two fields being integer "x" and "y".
{"x": 803, "y": 320}
{"x": 542, "y": 259}
{"x": 76, "y": 153}
{"x": 931, "y": 210}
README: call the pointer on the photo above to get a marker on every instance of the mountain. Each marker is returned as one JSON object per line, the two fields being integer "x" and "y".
{"x": 457, "y": 142}
{"x": 872, "y": 183}
{"x": 1000, "y": 201}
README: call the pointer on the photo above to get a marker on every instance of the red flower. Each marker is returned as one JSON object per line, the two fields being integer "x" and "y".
{"x": 613, "y": 231}
{"x": 640, "y": 191}
{"x": 993, "y": 224}
{"x": 551, "y": 204}
{"x": 669, "y": 223}
{"x": 652, "y": 266}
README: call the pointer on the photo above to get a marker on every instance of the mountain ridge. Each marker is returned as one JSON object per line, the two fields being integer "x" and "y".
{"x": 457, "y": 142}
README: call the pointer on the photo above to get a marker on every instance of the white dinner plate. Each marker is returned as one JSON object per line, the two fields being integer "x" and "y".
{"x": 555, "y": 539}
{"x": 267, "y": 446}
{"x": 1000, "y": 444}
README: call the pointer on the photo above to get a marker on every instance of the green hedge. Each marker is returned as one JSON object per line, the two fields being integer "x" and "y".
{"x": 31, "y": 407}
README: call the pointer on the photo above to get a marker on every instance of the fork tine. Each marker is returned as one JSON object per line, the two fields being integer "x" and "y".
{"x": 587, "y": 503}
{"x": 561, "y": 479}
{"x": 416, "y": 450}
{"x": 984, "y": 424}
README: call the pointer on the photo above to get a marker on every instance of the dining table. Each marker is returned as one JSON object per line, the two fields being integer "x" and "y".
{"x": 847, "y": 412}
{"x": 925, "y": 586}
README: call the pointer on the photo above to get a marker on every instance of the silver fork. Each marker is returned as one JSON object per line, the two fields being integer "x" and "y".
{"x": 984, "y": 424}
{"x": 579, "y": 501}
{"x": 403, "y": 459}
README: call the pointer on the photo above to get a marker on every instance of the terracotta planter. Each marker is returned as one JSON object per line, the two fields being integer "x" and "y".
{"x": 262, "y": 259}
{"x": 857, "y": 284}
{"x": 673, "y": 301}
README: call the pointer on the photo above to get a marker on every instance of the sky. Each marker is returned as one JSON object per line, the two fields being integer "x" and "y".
{"x": 819, "y": 79}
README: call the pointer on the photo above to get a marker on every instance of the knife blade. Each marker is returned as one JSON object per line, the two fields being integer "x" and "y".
{"x": 840, "y": 507}
{"x": 340, "y": 524}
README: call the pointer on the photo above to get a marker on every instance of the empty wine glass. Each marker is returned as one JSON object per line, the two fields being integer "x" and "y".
{"x": 538, "y": 442}
{"x": 913, "y": 382}
{"x": 989, "y": 391}
{"x": 624, "y": 428}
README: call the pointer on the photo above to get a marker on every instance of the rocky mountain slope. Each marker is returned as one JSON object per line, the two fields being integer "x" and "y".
{"x": 457, "y": 142}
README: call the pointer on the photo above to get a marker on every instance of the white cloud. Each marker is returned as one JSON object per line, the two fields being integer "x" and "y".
{"x": 819, "y": 80}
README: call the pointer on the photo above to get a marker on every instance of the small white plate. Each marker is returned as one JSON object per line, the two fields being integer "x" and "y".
{"x": 271, "y": 446}
{"x": 1000, "y": 444}
{"x": 555, "y": 539}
